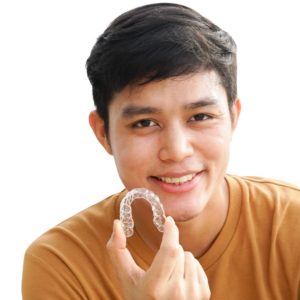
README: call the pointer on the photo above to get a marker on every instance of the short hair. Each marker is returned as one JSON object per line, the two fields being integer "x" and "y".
{"x": 155, "y": 42}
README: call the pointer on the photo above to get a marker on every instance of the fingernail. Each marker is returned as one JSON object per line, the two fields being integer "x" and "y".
{"x": 170, "y": 219}
{"x": 114, "y": 227}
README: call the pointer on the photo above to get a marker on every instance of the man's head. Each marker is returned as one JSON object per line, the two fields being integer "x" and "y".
{"x": 156, "y": 42}
{"x": 164, "y": 84}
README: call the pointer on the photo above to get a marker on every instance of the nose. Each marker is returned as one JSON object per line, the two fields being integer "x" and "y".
{"x": 175, "y": 144}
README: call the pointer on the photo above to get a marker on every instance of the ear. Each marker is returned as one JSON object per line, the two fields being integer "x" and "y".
{"x": 235, "y": 112}
{"x": 97, "y": 125}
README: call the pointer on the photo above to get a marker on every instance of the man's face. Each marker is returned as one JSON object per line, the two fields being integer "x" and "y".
{"x": 173, "y": 137}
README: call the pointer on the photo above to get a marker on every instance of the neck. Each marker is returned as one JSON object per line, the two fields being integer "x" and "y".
{"x": 196, "y": 234}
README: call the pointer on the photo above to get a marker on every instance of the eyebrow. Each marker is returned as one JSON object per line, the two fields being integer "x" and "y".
{"x": 135, "y": 110}
{"x": 201, "y": 103}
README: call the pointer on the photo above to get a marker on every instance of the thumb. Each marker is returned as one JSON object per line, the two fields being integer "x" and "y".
{"x": 171, "y": 233}
{"x": 120, "y": 255}
{"x": 118, "y": 238}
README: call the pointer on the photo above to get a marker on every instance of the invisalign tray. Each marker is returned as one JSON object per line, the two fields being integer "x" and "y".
{"x": 126, "y": 211}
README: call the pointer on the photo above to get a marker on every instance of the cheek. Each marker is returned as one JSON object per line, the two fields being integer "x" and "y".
{"x": 132, "y": 155}
{"x": 217, "y": 143}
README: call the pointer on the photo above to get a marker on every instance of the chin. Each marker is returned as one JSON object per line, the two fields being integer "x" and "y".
{"x": 181, "y": 214}
{"x": 183, "y": 218}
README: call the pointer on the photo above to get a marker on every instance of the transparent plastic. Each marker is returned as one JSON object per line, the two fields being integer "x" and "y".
{"x": 126, "y": 211}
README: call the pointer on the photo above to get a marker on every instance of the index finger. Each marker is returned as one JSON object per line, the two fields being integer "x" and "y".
{"x": 166, "y": 258}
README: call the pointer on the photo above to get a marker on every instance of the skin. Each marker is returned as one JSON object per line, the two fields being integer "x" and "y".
{"x": 160, "y": 132}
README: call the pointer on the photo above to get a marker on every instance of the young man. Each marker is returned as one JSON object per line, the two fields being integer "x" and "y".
{"x": 164, "y": 87}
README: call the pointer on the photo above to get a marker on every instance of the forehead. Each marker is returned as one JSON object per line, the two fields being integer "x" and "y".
{"x": 172, "y": 91}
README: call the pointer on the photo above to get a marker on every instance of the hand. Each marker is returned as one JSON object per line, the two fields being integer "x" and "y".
{"x": 174, "y": 273}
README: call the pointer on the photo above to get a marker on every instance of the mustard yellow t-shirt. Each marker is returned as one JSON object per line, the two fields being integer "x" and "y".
{"x": 256, "y": 255}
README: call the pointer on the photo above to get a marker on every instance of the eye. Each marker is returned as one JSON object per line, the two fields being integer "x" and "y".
{"x": 143, "y": 123}
{"x": 200, "y": 117}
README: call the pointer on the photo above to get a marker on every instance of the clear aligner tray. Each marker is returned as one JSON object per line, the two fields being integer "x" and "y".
{"x": 126, "y": 211}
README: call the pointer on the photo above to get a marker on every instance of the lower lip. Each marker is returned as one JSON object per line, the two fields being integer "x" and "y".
{"x": 178, "y": 188}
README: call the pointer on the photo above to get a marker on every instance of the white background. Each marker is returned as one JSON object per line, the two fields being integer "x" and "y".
{"x": 51, "y": 166}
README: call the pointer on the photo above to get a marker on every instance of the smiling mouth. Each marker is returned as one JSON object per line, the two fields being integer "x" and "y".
{"x": 177, "y": 180}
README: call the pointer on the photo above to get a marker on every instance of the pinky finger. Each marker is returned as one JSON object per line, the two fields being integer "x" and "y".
{"x": 203, "y": 281}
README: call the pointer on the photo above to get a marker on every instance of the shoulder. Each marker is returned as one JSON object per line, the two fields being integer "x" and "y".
{"x": 70, "y": 260}
{"x": 92, "y": 226}
{"x": 266, "y": 190}
{"x": 267, "y": 202}
{"x": 268, "y": 227}
{"x": 269, "y": 205}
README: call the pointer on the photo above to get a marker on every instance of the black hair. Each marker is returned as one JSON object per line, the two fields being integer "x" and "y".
{"x": 155, "y": 42}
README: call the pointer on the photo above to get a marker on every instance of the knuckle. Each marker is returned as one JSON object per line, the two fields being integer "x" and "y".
{"x": 178, "y": 291}
{"x": 195, "y": 292}
{"x": 170, "y": 250}
{"x": 153, "y": 291}
{"x": 188, "y": 255}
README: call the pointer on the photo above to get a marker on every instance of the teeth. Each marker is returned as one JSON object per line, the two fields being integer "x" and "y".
{"x": 178, "y": 180}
